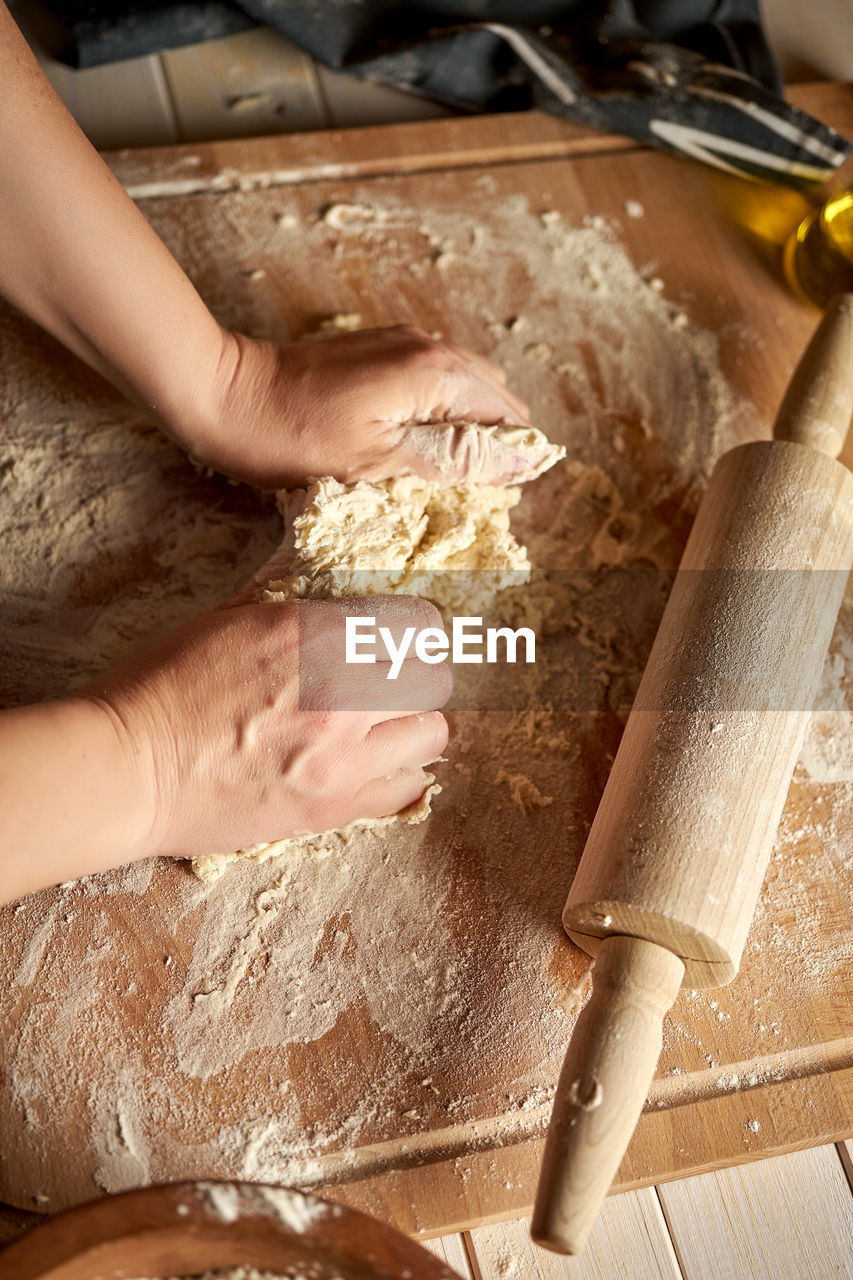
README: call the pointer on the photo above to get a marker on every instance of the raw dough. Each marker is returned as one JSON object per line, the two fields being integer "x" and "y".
{"x": 405, "y": 536}
{"x": 211, "y": 866}
{"x": 399, "y": 537}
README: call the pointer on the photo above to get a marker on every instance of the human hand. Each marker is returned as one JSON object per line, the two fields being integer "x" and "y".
{"x": 78, "y": 258}
{"x": 247, "y": 726}
{"x": 365, "y": 406}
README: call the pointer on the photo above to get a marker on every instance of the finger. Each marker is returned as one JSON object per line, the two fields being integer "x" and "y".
{"x": 383, "y": 690}
{"x": 348, "y": 631}
{"x": 405, "y": 743}
{"x": 383, "y": 678}
{"x": 395, "y": 612}
{"x": 520, "y": 408}
{"x": 478, "y": 375}
{"x": 467, "y": 397}
{"x": 384, "y": 796}
{"x": 322, "y": 624}
{"x": 474, "y": 454}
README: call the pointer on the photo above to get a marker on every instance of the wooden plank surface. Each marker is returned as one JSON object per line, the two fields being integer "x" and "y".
{"x": 788, "y": 1217}
{"x": 805, "y": 49}
{"x": 457, "y": 1142}
{"x": 125, "y": 104}
{"x": 791, "y": 1217}
{"x": 351, "y": 103}
{"x": 629, "y": 1241}
{"x": 452, "y": 1250}
{"x": 252, "y": 83}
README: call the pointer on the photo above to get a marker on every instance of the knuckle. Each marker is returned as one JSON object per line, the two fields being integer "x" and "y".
{"x": 420, "y": 352}
{"x": 439, "y": 732}
{"x": 312, "y": 776}
{"x": 415, "y": 333}
{"x": 321, "y": 776}
{"x": 422, "y": 612}
{"x": 443, "y": 687}
{"x": 323, "y": 724}
{"x": 429, "y": 614}
{"x": 327, "y": 814}
{"x": 436, "y": 684}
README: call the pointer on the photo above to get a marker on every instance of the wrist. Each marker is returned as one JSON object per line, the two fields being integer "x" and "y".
{"x": 74, "y": 799}
{"x": 190, "y": 407}
{"x": 131, "y": 816}
{"x": 228, "y": 427}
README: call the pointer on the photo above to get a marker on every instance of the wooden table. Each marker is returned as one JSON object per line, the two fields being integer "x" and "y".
{"x": 761, "y": 1067}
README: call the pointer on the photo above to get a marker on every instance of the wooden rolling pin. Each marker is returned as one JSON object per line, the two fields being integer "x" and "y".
{"x": 670, "y": 875}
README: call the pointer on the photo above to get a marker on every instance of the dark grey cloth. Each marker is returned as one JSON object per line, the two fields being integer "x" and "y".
{"x": 691, "y": 76}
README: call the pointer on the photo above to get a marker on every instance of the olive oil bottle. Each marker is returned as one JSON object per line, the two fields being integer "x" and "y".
{"x": 818, "y": 256}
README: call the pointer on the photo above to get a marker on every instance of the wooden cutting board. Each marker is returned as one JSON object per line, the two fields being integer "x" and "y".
{"x": 386, "y": 1021}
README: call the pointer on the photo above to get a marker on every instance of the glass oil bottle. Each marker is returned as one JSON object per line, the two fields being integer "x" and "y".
{"x": 818, "y": 256}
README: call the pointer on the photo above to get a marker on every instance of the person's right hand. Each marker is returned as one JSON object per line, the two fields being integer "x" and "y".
{"x": 366, "y": 405}
{"x": 246, "y": 725}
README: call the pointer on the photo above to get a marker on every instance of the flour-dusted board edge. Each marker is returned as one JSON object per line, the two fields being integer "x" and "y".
{"x": 462, "y": 1192}
{"x": 416, "y": 147}
{"x": 332, "y": 155}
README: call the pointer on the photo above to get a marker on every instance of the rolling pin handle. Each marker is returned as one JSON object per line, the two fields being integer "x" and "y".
{"x": 605, "y": 1079}
{"x": 817, "y": 408}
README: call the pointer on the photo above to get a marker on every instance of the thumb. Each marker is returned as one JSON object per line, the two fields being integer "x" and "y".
{"x": 467, "y": 453}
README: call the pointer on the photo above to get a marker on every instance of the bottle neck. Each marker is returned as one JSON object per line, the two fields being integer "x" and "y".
{"x": 841, "y": 180}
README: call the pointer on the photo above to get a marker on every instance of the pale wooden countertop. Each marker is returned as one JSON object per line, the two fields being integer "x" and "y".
{"x": 787, "y": 1218}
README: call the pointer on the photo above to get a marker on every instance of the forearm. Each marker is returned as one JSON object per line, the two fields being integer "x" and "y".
{"x": 73, "y": 799}
{"x": 77, "y": 256}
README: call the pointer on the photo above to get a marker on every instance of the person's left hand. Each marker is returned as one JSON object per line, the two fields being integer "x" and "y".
{"x": 360, "y": 406}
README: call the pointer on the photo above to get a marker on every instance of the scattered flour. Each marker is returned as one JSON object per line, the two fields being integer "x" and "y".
{"x": 229, "y": 1202}
{"x": 523, "y": 790}
{"x": 312, "y": 1002}
{"x": 251, "y": 1273}
{"x": 827, "y": 753}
